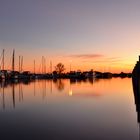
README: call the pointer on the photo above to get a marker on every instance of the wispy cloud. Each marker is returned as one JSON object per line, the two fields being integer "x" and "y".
{"x": 97, "y": 58}
{"x": 87, "y": 56}
{"x": 105, "y": 60}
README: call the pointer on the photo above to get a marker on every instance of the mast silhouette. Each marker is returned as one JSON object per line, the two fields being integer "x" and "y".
{"x": 51, "y": 67}
{"x": 3, "y": 59}
{"x": 13, "y": 61}
{"x": 34, "y": 67}
{"x": 19, "y": 64}
{"x": 43, "y": 65}
{"x": 21, "y": 68}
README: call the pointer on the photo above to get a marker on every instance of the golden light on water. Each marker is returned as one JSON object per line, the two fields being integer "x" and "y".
{"x": 70, "y": 92}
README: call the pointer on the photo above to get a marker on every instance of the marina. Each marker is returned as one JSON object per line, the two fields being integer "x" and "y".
{"x": 69, "y": 70}
{"x": 21, "y": 74}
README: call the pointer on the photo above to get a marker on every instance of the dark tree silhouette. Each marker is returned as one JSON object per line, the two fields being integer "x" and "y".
{"x": 59, "y": 68}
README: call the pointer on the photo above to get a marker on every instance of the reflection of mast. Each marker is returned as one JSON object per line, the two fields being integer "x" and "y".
{"x": 3, "y": 98}
{"x": 51, "y": 86}
{"x": 19, "y": 92}
{"x": 13, "y": 95}
{"x": 34, "y": 88}
{"x": 44, "y": 88}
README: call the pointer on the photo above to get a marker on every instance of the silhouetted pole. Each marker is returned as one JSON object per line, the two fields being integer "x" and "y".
{"x": 13, "y": 61}
{"x": 42, "y": 64}
{"x": 50, "y": 66}
{"x": 19, "y": 64}
{"x": 3, "y": 59}
{"x": 34, "y": 67}
{"x": 70, "y": 65}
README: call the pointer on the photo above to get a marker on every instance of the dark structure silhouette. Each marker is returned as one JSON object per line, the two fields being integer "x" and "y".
{"x": 136, "y": 87}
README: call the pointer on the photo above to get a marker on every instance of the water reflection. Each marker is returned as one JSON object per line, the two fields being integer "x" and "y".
{"x": 68, "y": 109}
{"x": 59, "y": 84}
{"x": 42, "y": 87}
{"x": 13, "y": 91}
{"x": 20, "y": 92}
{"x": 89, "y": 80}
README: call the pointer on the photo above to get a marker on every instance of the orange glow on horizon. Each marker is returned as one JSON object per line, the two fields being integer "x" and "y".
{"x": 103, "y": 64}
{"x": 28, "y": 65}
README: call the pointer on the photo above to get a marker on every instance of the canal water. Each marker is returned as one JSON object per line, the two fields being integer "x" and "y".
{"x": 94, "y": 109}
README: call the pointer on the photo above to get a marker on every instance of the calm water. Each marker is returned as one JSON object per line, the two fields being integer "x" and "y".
{"x": 68, "y": 110}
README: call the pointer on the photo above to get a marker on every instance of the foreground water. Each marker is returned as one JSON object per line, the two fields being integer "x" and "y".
{"x": 68, "y": 110}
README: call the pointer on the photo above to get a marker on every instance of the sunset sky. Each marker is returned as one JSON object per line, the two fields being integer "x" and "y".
{"x": 102, "y": 35}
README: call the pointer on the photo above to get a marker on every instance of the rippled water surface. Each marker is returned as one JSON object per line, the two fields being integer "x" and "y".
{"x": 68, "y": 110}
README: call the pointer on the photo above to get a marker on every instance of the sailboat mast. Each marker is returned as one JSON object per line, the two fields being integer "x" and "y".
{"x": 13, "y": 61}
{"x": 34, "y": 66}
{"x": 19, "y": 64}
{"x": 50, "y": 66}
{"x": 3, "y": 59}
{"x": 44, "y": 65}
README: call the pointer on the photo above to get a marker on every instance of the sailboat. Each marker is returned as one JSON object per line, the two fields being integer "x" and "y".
{"x": 14, "y": 74}
{"x": 3, "y": 72}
